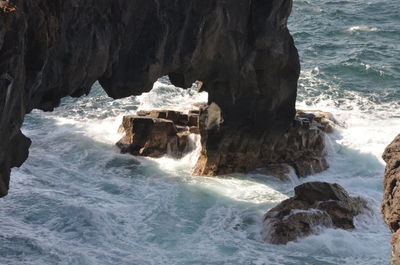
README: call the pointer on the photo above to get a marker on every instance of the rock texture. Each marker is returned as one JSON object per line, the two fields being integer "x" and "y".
{"x": 6, "y": 6}
{"x": 301, "y": 145}
{"x": 241, "y": 51}
{"x": 391, "y": 199}
{"x": 314, "y": 206}
{"x": 158, "y": 133}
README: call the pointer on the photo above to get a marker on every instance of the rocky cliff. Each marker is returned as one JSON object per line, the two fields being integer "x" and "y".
{"x": 391, "y": 199}
{"x": 240, "y": 49}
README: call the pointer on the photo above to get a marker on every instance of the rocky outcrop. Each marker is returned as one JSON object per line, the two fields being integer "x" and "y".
{"x": 6, "y": 6}
{"x": 301, "y": 145}
{"x": 391, "y": 198}
{"x": 241, "y": 51}
{"x": 158, "y": 133}
{"x": 315, "y": 205}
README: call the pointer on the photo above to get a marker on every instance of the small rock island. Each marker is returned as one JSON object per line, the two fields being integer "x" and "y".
{"x": 316, "y": 205}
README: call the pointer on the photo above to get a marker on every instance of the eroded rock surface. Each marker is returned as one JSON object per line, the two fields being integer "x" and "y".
{"x": 316, "y": 205}
{"x": 391, "y": 198}
{"x": 301, "y": 145}
{"x": 158, "y": 133}
{"x": 240, "y": 50}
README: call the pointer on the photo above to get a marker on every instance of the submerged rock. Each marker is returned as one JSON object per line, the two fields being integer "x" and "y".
{"x": 315, "y": 205}
{"x": 156, "y": 133}
{"x": 391, "y": 198}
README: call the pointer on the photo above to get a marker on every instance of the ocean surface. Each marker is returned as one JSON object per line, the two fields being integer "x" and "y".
{"x": 76, "y": 200}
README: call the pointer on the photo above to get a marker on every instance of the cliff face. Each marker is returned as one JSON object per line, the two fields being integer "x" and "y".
{"x": 391, "y": 199}
{"x": 240, "y": 49}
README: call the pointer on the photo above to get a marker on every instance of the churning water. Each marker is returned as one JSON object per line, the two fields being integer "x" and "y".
{"x": 76, "y": 200}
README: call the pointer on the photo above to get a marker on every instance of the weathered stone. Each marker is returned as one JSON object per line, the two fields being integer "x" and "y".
{"x": 280, "y": 171}
{"x": 182, "y": 142}
{"x": 162, "y": 114}
{"x": 194, "y": 129}
{"x": 294, "y": 225}
{"x": 173, "y": 116}
{"x": 315, "y": 205}
{"x": 320, "y": 191}
{"x": 147, "y": 136}
{"x": 150, "y": 135}
{"x": 391, "y": 198}
{"x": 183, "y": 119}
{"x": 7, "y": 7}
{"x": 181, "y": 128}
{"x": 302, "y": 146}
{"x": 323, "y": 120}
{"x": 342, "y": 212}
{"x": 306, "y": 166}
{"x": 194, "y": 112}
{"x": 144, "y": 113}
{"x": 193, "y": 120}
{"x": 239, "y": 50}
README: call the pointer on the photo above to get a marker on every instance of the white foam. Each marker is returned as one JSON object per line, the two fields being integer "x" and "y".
{"x": 362, "y": 29}
{"x": 370, "y": 126}
{"x": 167, "y": 96}
{"x": 244, "y": 190}
{"x": 186, "y": 163}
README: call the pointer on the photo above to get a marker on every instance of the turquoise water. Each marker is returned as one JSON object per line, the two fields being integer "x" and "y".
{"x": 78, "y": 201}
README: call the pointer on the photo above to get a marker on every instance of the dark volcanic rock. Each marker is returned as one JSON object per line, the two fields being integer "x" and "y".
{"x": 283, "y": 172}
{"x": 301, "y": 145}
{"x": 314, "y": 206}
{"x": 391, "y": 198}
{"x": 147, "y": 134}
{"x": 240, "y": 50}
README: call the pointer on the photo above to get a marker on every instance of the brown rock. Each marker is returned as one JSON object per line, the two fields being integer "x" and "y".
{"x": 296, "y": 224}
{"x": 6, "y": 7}
{"x": 181, "y": 128}
{"x": 183, "y": 141}
{"x": 333, "y": 199}
{"x": 149, "y": 134}
{"x": 194, "y": 129}
{"x": 323, "y": 120}
{"x": 193, "y": 120}
{"x": 176, "y": 117}
{"x": 309, "y": 165}
{"x": 315, "y": 205}
{"x": 173, "y": 116}
{"x": 196, "y": 111}
{"x": 243, "y": 150}
{"x": 391, "y": 198}
{"x": 280, "y": 171}
{"x": 320, "y": 191}
{"x": 144, "y": 113}
{"x": 162, "y": 114}
{"x": 183, "y": 119}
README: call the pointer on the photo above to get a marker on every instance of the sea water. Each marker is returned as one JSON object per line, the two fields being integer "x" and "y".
{"x": 76, "y": 200}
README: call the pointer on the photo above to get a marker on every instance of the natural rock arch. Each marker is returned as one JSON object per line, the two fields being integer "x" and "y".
{"x": 240, "y": 49}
